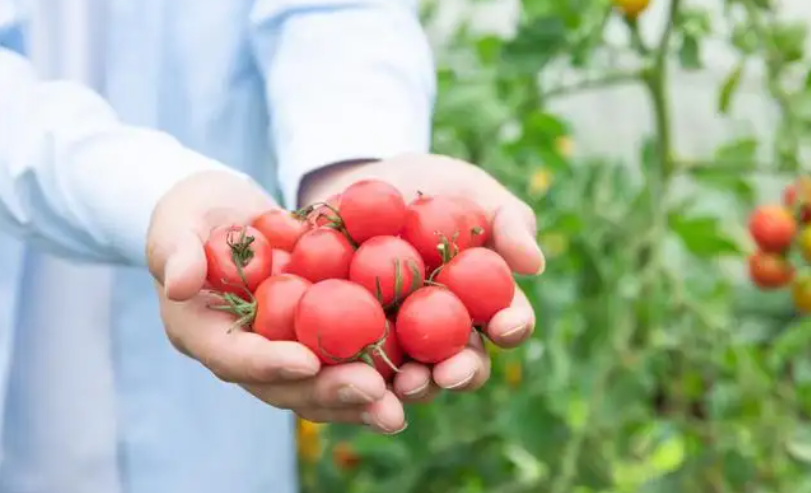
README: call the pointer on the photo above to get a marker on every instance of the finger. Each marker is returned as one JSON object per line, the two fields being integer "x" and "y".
{"x": 468, "y": 370}
{"x": 514, "y": 324}
{"x": 414, "y": 384}
{"x": 184, "y": 271}
{"x": 386, "y": 415}
{"x": 236, "y": 356}
{"x": 321, "y": 415}
{"x": 513, "y": 238}
{"x": 344, "y": 386}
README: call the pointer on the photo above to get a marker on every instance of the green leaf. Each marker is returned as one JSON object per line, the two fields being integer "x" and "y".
{"x": 703, "y": 236}
{"x": 740, "y": 153}
{"x": 799, "y": 445}
{"x": 794, "y": 339}
{"x": 729, "y": 88}
{"x": 690, "y": 53}
{"x": 789, "y": 40}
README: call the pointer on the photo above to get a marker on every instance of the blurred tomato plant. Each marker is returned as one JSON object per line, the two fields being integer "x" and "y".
{"x": 655, "y": 366}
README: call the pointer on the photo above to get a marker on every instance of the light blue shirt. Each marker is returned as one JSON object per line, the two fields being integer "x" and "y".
{"x": 93, "y": 399}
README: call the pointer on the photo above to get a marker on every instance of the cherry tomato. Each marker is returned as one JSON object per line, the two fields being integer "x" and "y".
{"x": 281, "y": 228}
{"x": 322, "y": 253}
{"x": 477, "y": 219}
{"x": 801, "y": 294}
{"x": 388, "y": 267}
{"x": 339, "y": 321}
{"x": 790, "y": 199}
{"x": 227, "y": 245}
{"x": 281, "y": 260}
{"x": 326, "y": 214}
{"x": 772, "y": 227}
{"x": 392, "y": 351}
{"x": 431, "y": 221}
{"x": 433, "y": 325}
{"x": 276, "y": 301}
{"x": 372, "y": 208}
{"x": 804, "y": 242}
{"x": 769, "y": 271}
{"x": 482, "y": 280}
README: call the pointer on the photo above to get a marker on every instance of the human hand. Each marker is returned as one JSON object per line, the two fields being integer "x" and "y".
{"x": 513, "y": 237}
{"x": 285, "y": 375}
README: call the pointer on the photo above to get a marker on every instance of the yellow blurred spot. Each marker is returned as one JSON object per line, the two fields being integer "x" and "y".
{"x": 554, "y": 244}
{"x": 539, "y": 181}
{"x": 513, "y": 374}
{"x": 309, "y": 440}
{"x": 564, "y": 146}
{"x": 632, "y": 8}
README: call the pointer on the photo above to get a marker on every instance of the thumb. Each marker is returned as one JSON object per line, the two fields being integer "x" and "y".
{"x": 185, "y": 268}
{"x": 514, "y": 230}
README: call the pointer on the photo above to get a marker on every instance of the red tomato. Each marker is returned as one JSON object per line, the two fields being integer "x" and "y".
{"x": 482, "y": 280}
{"x": 227, "y": 245}
{"x": 477, "y": 218}
{"x": 281, "y": 228}
{"x": 276, "y": 301}
{"x": 339, "y": 321}
{"x": 388, "y": 267}
{"x": 772, "y": 227}
{"x": 281, "y": 260}
{"x": 769, "y": 271}
{"x": 325, "y": 214}
{"x": 433, "y": 325}
{"x": 429, "y": 221}
{"x": 322, "y": 253}
{"x": 393, "y": 352}
{"x": 372, "y": 208}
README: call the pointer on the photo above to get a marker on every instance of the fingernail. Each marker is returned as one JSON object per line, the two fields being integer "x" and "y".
{"x": 349, "y": 394}
{"x": 507, "y": 334}
{"x": 370, "y": 421}
{"x": 296, "y": 373}
{"x": 462, "y": 382}
{"x": 418, "y": 392}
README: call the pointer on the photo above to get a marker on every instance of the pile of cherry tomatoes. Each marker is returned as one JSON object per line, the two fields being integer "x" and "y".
{"x": 364, "y": 276}
{"x": 782, "y": 233}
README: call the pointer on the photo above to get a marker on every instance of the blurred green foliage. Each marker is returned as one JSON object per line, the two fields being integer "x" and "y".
{"x": 655, "y": 367}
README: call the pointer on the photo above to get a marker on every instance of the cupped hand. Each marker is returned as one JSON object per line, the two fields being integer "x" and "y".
{"x": 285, "y": 375}
{"x": 513, "y": 237}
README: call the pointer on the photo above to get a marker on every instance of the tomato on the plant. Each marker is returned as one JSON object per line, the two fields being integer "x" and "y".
{"x": 477, "y": 219}
{"x": 481, "y": 279}
{"x": 770, "y": 271}
{"x": 801, "y": 294}
{"x": 433, "y": 325}
{"x": 232, "y": 248}
{"x": 340, "y": 321}
{"x": 276, "y": 302}
{"x": 632, "y": 8}
{"x": 281, "y": 228}
{"x": 389, "y": 267}
{"x": 790, "y": 201}
{"x": 773, "y": 228}
{"x": 434, "y": 222}
{"x": 322, "y": 253}
{"x": 389, "y": 360}
{"x": 372, "y": 208}
{"x": 281, "y": 260}
{"x": 345, "y": 457}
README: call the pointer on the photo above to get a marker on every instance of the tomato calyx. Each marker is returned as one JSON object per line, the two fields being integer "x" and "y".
{"x": 333, "y": 217}
{"x": 365, "y": 354}
{"x": 245, "y": 311}
{"x": 241, "y": 251}
{"x": 398, "y": 284}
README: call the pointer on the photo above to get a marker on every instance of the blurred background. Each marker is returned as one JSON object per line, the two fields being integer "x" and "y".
{"x": 643, "y": 133}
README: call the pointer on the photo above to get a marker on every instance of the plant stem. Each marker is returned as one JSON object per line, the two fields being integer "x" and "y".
{"x": 607, "y": 80}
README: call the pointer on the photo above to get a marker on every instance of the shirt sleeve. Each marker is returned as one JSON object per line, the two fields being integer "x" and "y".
{"x": 73, "y": 178}
{"x": 345, "y": 80}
